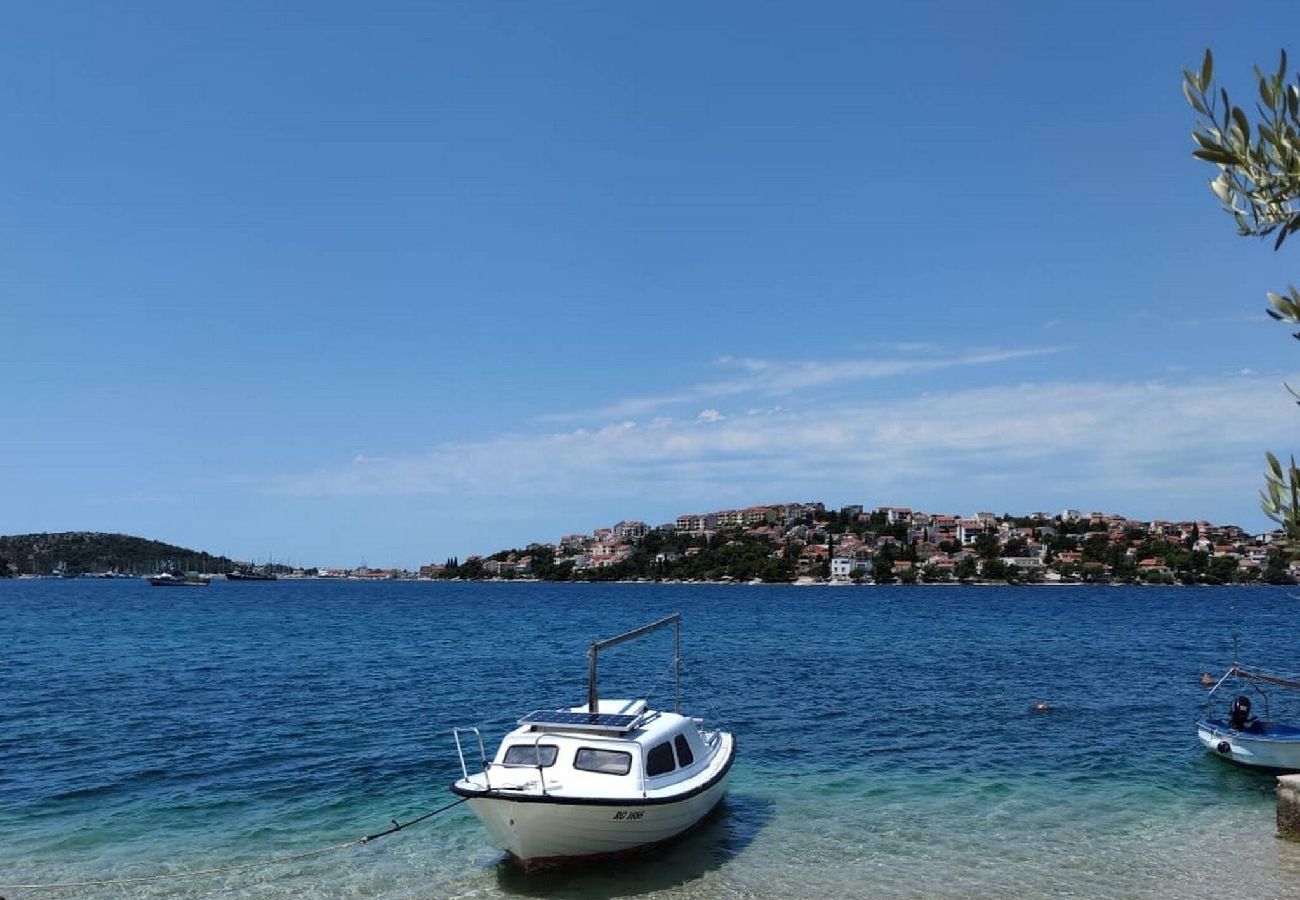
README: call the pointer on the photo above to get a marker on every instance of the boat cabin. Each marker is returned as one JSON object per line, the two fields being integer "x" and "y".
{"x": 621, "y": 750}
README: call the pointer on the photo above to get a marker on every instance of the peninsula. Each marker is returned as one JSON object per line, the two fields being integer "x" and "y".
{"x": 96, "y": 552}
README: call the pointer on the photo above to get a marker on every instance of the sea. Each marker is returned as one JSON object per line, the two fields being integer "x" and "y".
{"x": 888, "y": 741}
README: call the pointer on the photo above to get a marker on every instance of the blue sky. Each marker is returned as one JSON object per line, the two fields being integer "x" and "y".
{"x": 397, "y": 281}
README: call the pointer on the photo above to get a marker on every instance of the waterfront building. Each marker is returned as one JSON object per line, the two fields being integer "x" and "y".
{"x": 697, "y": 523}
{"x": 631, "y": 530}
{"x": 968, "y": 530}
{"x": 841, "y": 568}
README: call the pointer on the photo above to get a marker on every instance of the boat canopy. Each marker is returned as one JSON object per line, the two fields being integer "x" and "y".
{"x": 1276, "y": 680}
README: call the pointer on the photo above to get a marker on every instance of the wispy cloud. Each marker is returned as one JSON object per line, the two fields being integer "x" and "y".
{"x": 775, "y": 378}
{"x": 1082, "y": 439}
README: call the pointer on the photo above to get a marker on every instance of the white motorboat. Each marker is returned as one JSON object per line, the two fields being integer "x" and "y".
{"x": 175, "y": 579}
{"x": 1247, "y": 740}
{"x": 600, "y": 779}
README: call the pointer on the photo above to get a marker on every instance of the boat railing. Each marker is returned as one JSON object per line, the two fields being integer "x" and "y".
{"x": 537, "y": 755}
{"x": 482, "y": 753}
{"x": 1254, "y": 679}
{"x": 713, "y": 739}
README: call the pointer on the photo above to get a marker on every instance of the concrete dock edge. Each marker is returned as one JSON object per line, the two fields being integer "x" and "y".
{"x": 1288, "y": 807}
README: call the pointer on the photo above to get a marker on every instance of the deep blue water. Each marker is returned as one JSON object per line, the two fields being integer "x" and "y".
{"x": 887, "y": 743}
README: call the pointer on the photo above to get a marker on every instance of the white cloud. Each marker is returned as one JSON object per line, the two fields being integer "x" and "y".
{"x": 1081, "y": 440}
{"x": 783, "y": 378}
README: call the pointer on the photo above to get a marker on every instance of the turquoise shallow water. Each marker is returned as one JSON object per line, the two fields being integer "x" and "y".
{"x": 887, "y": 748}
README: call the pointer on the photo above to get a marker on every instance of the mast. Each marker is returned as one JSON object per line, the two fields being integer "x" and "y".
{"x": 593, "y": 695}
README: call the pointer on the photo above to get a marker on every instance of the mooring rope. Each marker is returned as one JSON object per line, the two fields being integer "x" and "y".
{"x": 276, "y": 860}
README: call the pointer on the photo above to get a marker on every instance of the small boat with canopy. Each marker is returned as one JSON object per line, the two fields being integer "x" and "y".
{"x": 1242, "y": 737}
{"x": 600, "y": 779}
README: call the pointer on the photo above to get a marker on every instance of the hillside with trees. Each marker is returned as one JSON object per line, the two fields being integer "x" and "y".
{"x": 897, "y": 546}
{"x": 79, "y": 552}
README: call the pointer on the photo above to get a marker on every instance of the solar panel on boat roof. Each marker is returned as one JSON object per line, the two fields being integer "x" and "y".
{"x": 578, "y": 719}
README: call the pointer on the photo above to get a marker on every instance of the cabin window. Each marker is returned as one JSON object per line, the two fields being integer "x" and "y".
{"x": 530, "y": 755}
{"x": 684, "y": 755}
{"x": 660, "y": 760}
{"x": 606, "y": 762}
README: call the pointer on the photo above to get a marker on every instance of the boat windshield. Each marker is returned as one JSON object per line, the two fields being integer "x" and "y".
{"x": 531, "y": 755}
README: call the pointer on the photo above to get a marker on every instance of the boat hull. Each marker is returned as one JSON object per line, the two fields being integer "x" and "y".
{"x": 1275, "y": 750}
{"x": 540, "y": 835}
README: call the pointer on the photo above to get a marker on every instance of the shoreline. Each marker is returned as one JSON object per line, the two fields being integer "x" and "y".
{"x": 690, "y": 582}
{"x": 830, "y": 584}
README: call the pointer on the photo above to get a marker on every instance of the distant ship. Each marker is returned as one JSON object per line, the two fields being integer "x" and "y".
{"x": 250, "y": 575}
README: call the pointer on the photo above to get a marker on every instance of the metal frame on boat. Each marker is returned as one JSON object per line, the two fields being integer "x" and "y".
{"x": 601, "y": 779}
{"x": 1241, "y": 738}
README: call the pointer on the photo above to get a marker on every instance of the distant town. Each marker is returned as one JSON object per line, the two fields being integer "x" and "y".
{"x": 782, "y": 543}
{"x": 808, "y": 543}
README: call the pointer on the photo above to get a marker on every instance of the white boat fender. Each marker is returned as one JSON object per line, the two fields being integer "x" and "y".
{"x": 1224, "y": 747}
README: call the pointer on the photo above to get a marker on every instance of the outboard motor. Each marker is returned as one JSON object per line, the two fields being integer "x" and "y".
{"x": 1239, "y": 714}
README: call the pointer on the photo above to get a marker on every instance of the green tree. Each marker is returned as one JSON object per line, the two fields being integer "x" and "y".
{"x": 1276, "y": 572}
{"x": 1121, "y": 566}
{"x": 1151, "y": 576}
{"x": 1092, "y": 572}
{"x": 932, "y": 574}
{"x": 986, "y": 545}
{"x": 1258, "y": 184}
{"x": 777, "y": 570}
{"x": 1094, "y": 547}
{"x": 966, "y": 568}
{"x": 995, "y": 570}
{"x": 1181, "y": 561}
{"x": 1068, "y": 571}
{"x": 1222, "y": 570}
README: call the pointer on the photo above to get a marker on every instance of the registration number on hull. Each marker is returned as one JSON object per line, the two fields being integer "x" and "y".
{"x": 628, "y": 815}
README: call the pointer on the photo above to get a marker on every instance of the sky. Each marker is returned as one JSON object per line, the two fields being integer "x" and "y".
{"x": 391, "y": 282}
